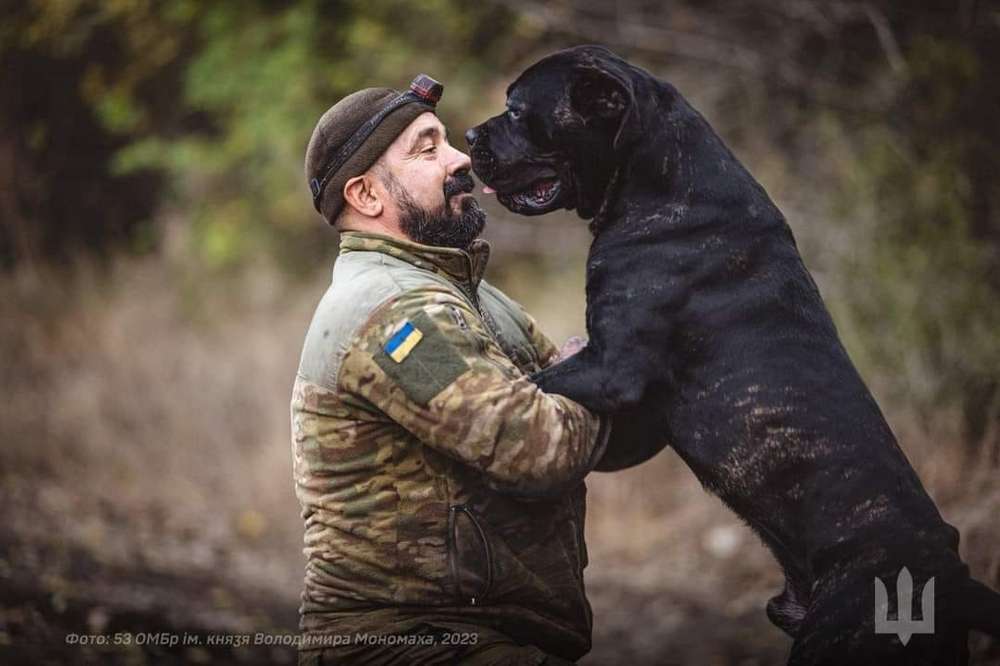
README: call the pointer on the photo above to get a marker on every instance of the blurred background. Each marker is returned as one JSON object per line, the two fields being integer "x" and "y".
{"x": 160, "y": 261}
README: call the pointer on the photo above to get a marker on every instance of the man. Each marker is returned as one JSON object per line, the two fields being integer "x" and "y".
{"x": 441, "y": 490}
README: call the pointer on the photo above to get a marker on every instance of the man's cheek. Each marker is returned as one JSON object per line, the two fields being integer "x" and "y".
{"x": 426, "y": 197}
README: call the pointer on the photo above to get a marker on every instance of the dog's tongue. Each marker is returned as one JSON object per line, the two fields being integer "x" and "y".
{"x": 488, "y": 190}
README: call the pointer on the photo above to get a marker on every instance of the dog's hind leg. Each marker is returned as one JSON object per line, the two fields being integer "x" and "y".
{"x": 980, "y": 608}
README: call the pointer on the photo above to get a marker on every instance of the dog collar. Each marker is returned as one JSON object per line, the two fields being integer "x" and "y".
{"x": 423, "y": 89}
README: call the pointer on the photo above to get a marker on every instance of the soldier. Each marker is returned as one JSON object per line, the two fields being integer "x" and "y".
{"x": 442, "y": 492}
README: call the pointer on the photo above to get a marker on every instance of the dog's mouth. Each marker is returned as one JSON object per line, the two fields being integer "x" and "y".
{"x": 540, "y": 196}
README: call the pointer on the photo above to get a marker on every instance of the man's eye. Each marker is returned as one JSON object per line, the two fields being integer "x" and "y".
{"x": 429, "y": 149}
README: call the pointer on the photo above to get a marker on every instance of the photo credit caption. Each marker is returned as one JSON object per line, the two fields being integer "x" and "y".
{"x": 171, "y": 639}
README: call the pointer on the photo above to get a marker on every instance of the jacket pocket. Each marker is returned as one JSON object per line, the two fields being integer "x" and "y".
{"x": 470, "y": 555}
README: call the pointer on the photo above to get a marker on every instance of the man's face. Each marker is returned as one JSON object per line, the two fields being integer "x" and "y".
{"x": 429, "y": 183}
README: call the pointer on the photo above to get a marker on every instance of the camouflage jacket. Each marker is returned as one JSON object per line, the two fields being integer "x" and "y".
{"x": 434, "y": 477}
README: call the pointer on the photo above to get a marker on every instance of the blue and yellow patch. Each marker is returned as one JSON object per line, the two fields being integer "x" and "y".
{"x": 403, "y": 341}
{"x": 421, "y": 358}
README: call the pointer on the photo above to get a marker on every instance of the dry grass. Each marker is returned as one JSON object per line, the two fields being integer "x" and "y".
{"x": 143, "y": 423}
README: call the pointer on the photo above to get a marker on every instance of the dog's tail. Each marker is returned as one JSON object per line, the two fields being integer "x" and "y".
{"x": 980, "y": 608}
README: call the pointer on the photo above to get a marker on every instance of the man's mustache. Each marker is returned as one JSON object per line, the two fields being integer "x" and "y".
{"x": 460, "y": 183}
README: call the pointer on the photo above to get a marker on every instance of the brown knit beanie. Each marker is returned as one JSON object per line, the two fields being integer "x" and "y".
{"x": 353, "y": 133}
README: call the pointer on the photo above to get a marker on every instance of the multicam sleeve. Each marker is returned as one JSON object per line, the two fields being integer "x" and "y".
{"x": 548, "y": 353}
{"x": 426, "y": 360}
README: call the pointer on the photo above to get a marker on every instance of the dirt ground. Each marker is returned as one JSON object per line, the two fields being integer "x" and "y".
{"x": 145, "y": 586}
{"x": 658, "y": 600}
{"x": 53, "y": 594}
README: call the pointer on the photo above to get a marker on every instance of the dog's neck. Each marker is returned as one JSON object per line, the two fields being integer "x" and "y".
{"x": 695, "y": 167}
{"x": 601, "y": 217}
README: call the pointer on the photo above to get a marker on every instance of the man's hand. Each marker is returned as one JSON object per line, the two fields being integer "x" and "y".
{"x": 573, "y": 345}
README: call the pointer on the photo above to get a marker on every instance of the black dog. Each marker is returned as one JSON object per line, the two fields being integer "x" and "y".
{"x": 707, "y": 330}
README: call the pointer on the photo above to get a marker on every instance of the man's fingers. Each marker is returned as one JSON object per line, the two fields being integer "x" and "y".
{"x": 572, "y": 346}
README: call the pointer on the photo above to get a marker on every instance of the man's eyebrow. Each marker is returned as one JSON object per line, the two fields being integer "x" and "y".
{"x": 425, "y": 133}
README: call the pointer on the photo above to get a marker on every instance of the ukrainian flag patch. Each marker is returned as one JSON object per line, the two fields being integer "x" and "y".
{"x": 419, "y": 357}
{"x": 403, "y": 341}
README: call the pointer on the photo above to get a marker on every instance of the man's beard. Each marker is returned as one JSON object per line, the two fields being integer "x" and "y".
{"x": 441, "y": 227}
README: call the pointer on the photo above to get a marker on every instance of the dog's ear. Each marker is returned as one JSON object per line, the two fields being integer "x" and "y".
{"x": 602, "y": 98}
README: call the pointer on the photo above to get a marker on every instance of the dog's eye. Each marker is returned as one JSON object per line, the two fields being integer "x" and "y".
{"x": 514, "y": 114}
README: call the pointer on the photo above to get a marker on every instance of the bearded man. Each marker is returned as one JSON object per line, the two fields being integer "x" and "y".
{"x": 442, "y": 491}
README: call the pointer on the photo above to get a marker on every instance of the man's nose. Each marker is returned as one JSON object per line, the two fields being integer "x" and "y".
{"x": 471, "y": 135}
{"x": 459, "y": 161}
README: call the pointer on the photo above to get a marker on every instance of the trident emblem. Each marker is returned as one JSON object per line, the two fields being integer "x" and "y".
{"x": 904, "y": 626}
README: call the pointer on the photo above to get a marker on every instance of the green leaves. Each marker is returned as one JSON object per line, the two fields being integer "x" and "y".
{"x": 219, "y": 100}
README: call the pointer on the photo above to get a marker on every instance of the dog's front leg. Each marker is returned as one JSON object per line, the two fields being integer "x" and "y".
{"x": 590, "y": 379}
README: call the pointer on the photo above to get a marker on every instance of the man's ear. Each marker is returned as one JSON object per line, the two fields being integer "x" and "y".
{"x": 603, "y": 100}
{"x": 360, "y": 194}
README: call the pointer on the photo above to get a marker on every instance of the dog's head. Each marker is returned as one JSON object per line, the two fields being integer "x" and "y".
{"x": 570, "y": 118}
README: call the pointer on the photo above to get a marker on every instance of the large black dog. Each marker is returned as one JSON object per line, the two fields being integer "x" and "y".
{"x": 707, "y": 330}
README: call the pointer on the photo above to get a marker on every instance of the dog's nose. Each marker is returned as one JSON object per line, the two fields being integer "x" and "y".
{"x": 471, "y": 136}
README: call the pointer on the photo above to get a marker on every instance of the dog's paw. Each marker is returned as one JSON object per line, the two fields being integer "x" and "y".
{"x": 538, "y": 379}
{"x": 549, "y": 379}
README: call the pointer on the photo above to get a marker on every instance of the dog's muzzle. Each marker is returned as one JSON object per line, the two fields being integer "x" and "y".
{"x": 483, "y": 161}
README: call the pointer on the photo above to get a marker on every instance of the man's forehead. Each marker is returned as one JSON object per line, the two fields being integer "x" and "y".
{"x": 424, "y": 121}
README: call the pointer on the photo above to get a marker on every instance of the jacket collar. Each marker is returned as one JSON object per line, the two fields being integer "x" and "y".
{"x": 463, "y": 266}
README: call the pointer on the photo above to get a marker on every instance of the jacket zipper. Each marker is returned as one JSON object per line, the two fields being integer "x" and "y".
{"x": 470, "y": 289}
{"x": 487, "y": 551}
{"x": 491, "y": 325}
